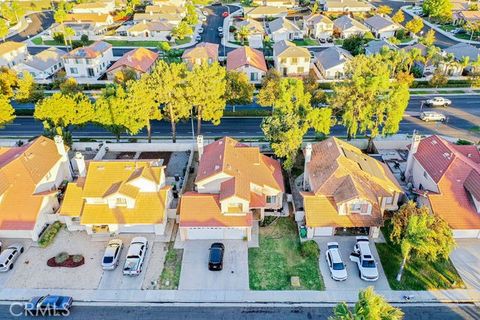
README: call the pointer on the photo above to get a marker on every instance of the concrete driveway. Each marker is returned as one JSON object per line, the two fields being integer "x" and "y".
{"x": 195, "y": 274}
{"x": 353, "y": 281}
{"x": 466, "y": 259}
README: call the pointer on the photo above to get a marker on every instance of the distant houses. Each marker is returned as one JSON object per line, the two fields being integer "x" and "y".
{"x": 291, "y": 60}
{"x": 12, "y": 53}
{"x": 331, "y": 62}
{"x": 43, "y": 65}
{"x": 88, "y": 62}
{"x": 249, "y": 61}
{"x": 204, "y": 52}
{"x": 139, "y": 61}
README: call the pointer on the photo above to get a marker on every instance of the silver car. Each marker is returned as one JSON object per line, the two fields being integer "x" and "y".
{"x": 9, "y": 256}
{"x": 112, "y": 254}
{"x": 135, "y": 256}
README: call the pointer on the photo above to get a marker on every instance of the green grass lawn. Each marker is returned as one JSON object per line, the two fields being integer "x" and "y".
{"x": 475, "y": 129}
{"x": 125, "y": 43}
{"x": 419, "y": 274}
{"x": 338, "y": 42}
{"x": 171, "y": 270}
{"x": 306, "y": 42}
{"x": 450, "y": 91}
{"x": 38, "y": 41}
{"x": 407, "y": 39}
{"x": 278, "y": 259}
{"x": 183, "y": 41}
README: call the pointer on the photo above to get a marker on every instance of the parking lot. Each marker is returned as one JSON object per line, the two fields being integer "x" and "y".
{"x": 353, "y": 282}
{"x": 195, "y": 274}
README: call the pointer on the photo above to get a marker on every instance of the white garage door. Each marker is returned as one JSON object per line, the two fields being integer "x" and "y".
{"x": 136, "y": 229}
{"x": 216, "y": 233}
{"x": 459, "y": 234}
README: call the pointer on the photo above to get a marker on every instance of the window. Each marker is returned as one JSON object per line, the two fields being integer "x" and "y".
{"x": 89, "y": 61}
{"x": 77, "y": 61}
{"x": 300, "y": 70}
{"x": 254, "y": 76}
{"x": 294, "y": 60}
{"x": 283, "y": 60}
{"x": 425, "y": 174}
{"x": 359, "y": 207}
{"x": 73, "y": 70}
{"x": 389, "y": 200}
{"x": 121, "y": 202}
{"x": 271, "y": 199}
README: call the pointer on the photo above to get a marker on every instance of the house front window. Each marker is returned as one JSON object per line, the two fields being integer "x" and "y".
{"x": 359, "y": 207}
{"x": 121, "y": 202}
{"x": 300, "y": 70}
{"x": 294, "y": 60}
{"x": 389, "y": 200}
{"x": 73, "y": 70}
{"x": 271, "y": 199}
{"x": 283, "y": 60}
{"x": 254, "y": 76}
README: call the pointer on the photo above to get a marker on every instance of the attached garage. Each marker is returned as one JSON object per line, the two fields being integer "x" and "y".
{"x": 466, "y": 234}
{"x": 219, "y": 233}
{"x": 139, "y": 228}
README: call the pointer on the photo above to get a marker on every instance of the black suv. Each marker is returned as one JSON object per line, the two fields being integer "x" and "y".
{"x": 215, "y": 260}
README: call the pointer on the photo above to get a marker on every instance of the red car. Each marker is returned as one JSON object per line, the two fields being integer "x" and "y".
{"x": 225, "y": 14}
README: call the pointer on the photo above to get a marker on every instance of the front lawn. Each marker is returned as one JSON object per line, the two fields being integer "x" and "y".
{"x": 171, "y": 270}
{"x": 183, "y": 41}
{"x": 125, "y": 43}
{"x": 306, "y": 42}
{"x": 38, "y": 41}
{"x": 419, "y": 274}
{"x": 278, "y": 258}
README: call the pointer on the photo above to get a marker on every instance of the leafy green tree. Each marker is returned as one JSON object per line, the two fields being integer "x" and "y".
{"x": 17, "y": 9}
{"x": 8, "y": 81}
{"x": 420, "y": 233}
{"x": 27, "y": 90}
{"x": 191, "y": 18}
{"x": 384, "y": 10}
{"x": 270, "y": 88}
{"x": 125, "y": 75}
{"x": 239, "y": 90}
{"x": 472, "y": 27}
{"x": 59, "y": 16}
{"x": 166, "y": 85}
{"x": 438, "y": 9}
{"x": 206, "y": 87}
{"x": 3, "y": 29}
{"x": 70, "y": 86}
{"x": 354, "y": 44}
{"x": 291, "y": 118}
{"x": 7, "y": 113}
{"x": 243, "y": 33}
{"x": 182, "y": 31}
{"x": 415, "y": 25}
{"x": 438, "y": 79}
{"x": 68, "y": 33}
{"x": 314, "y": 7}
{"x": 60, "y": 112}
{"x": 311, "y": 86}
{"x": 370, "y": 306}
{"x": 398, "y": 17}
{"x": 429, "y": 38}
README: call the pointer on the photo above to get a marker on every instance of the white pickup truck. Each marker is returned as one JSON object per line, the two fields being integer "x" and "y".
{"x": 362, "y": 256}
{"x": 438, "y": 102}
{"x": 135, "y": 256}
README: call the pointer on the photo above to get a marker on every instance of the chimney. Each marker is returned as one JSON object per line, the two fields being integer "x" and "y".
{"x": 80, "y": 161}
{"x": 200, "y": 146}
{"x": 60, "y": 146}
{"x": 413, "y": 149}
{"x": 308, "y": 158}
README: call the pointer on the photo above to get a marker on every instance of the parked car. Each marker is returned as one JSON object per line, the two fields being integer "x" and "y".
{"x": 49, "y": 305}
{"x": 200, "y": 30}
{"x": 362, "y": 256}
{"x": 438, "y": 102}
{"x": 215, "y": 259}
{"x": 135, "y": 256}
{"x": 322, "y": 40}
{"x": 220, "y": 29}
{"x": 198, "y": 38}
{"x": 112, "y": 254}
{"x": 225, "y": 14}
{"x": 203, "y": 18}
{"x": 432, "y": 116}
{"x": 205, "y": 12}
{"x": 220, "y": 34}
{"x": 9, "y": 256}
{"x": 338, "y": 270}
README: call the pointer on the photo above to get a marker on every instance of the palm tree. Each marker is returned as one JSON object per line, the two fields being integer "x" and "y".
{"x": 243, "y": 33}
{"x": 68, "y": 33}
{"x": 59, "y": 16}
{"x": 415, "y": 55}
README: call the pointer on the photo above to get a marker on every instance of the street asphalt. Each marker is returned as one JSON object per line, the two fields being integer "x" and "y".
{"x": 440, "y": 312}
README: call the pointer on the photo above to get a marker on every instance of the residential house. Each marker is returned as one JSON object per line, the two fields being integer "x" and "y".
{"x": 376, "y": 47}
{"x": 154, "y": 30}
{"x": 88, "y": 62}
{"x": 446, "y": 178}
{"x": 117, "y": 197}
{"x": 265, "y": 12}
{"x": 166, "y": 9}
{"x": 256, "y": 32}
{"x": 427, "y": 69}
{"x": 249, "y": 61}
{"x": 276, "y": 3}
{"x": 463, "y": 55}
{"x": 284, "y": 29}
{"x": 91, "y": 30}
{"x": 96, "y": 19}
{"x": 345, "y": 190}
{"x": 204, "y": 52}
{"x": 12, "y": 53}
{"x": 174, "y": 19}
{"x": 318, "y": 26}
{"x": 235, "y": 186}
{"x": 347, "y": 6}
{"x": 178, "y": 3}
{"x": 103, "y": 7}
{"x": 382, "y": 27}
{"x": 42, "y": 65}
{"x": 331, "y": 63}
{"x": 345, "y": 27}
{"x": 291, "y": 60}
{"x": 140, "y": 61}
{"x": 30, "y": 177}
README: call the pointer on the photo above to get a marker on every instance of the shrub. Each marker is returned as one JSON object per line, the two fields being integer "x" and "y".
{"x": 77, "y": 258}
{"x": 310, "y": 249}
{"x": 58, "y": 37}
{"x": 61, "y": 257}
{"x": 49, "y": 235}
{"x": 463, "y": 142}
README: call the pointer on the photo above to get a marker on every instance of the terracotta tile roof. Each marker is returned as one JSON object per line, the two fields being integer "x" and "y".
{"x": 257, "y": 200}
{"x": 246, "y": 56}
{"x": 166, "y": 9}
{"x": 10, "y": 46}
{"x": 21, "y": 169}
{"x": 203, "y": 210}
{"x": 88, "y": 17}
{"x": 315, "y": 18}
{"x": 254, "y": 26}
{"x": 92, "y": 51}
{"x": 286, "y": 48}
{"x": 140, "y": 59}
{"x": 151, "y": 26}
{"x": 203, "y": 50}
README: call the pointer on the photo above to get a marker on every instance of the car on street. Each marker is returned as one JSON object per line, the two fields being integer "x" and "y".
{"x": 362, "y": 256}
{"x": 203, "y": 18}
{"x": 215, "y": 258}
{"x": 205, "y": 12}
{"x": 112, "y": 254}
{"x": 49, "y": 305}
{"x": 338, "y": 270}
{"x": 225, "y": 14}
{"x": 135, "y": 256}
{"x": 220, "y": 34}
{"x": 200, "y": 30}
{"x": 198, "y": 38}
{"x": 9, "y": 256}
{"x": 432, "y": 116}
{"x": 438, "y": 102}
{"x": 220, "y": 29}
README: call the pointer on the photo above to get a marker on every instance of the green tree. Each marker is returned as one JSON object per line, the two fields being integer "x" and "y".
{"x": 398, "y": 17}
{"x": 3, "y": 29}
{"x": 370, "y": 306}
{"x": 59, "y": 16}
{"x": 420, "y": 233}
{"x": 70, "y": 86}
{"x": 291, "y": 118}
{"x": 415, "y": 25}
{"x": 8, "y": 81}
{"x": 27, "y": 90}
{"x": 206, "y": 87}
{"x": 191, "y": 18}
{"x": 354, "y": 44}
{"x": 166, "y": 85}
{"x": 182, "y": 31}
{"x": 17, "y": 9}
{"x": 239, "y": 90}
{"x": 7, "y": 113}
{"x": 125, "y": 75}
{"x": 311, "y": 86}
{"x": 438, "y": 9}
{"x": 243, "y": 33}
{"x": 60, "y": 112}
{"x": 472, "y": 27}
{"x": 429, "y": 38}
{"x": 438, "y": 79}
{"x": 69, "y": 33}
{"x": 270, "y": 87}
{"x": 314, "y": 7}
{"x": 384, "y": 10}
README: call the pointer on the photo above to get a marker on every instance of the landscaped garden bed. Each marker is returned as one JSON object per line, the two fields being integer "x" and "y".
{"x": 170, "y": 276}
{"x": 49, "y": 234}
{"x": 280, "y": 257}
{"x": 66, "y": 260}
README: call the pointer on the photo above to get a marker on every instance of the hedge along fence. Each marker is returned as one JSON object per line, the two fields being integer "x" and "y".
{"x": 49, "y": 235}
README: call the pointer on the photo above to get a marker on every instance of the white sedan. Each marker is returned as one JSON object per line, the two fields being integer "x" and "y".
{"x": 338, "y": 270}
{"x": 112, "y": 254}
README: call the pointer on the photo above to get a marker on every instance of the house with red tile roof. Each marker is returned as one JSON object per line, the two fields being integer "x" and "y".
{"x": 140, "y": 61}
{"x": 235, "y": 186}
{"x": 345, "y": 190}
{"x": 446, "y": 176}
{"x": 30, "y": 176}
{"x": 204, "y": 52}
{"x": 249, "y": 61}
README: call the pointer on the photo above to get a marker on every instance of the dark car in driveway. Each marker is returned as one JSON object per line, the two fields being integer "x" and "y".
{"x": 215, "y": 259}
{"x": 49, "y": 305}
